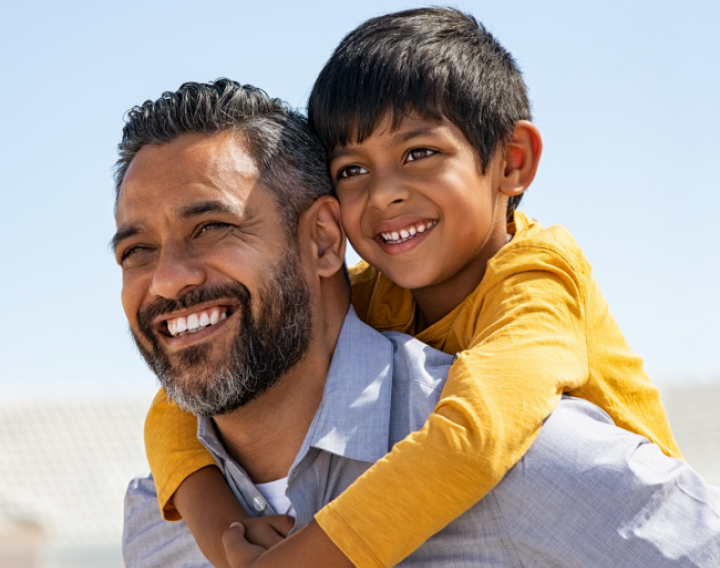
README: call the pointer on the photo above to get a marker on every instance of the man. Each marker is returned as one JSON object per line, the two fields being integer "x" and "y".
{"x": 225, "y": 213}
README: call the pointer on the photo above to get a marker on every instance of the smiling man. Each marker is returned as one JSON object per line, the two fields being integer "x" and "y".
{"x": 232, "y": 251}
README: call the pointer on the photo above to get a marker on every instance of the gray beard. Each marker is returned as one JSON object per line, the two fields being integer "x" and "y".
{"x": 264, "y": 349}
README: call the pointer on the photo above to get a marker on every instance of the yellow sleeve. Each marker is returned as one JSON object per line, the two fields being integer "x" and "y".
{"x": 173, "y": 450}
{"x": 529, "y": 346}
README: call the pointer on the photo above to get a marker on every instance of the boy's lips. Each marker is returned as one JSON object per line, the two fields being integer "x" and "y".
{"x": 401, "y": 229}
{"x": 402, "y": 234}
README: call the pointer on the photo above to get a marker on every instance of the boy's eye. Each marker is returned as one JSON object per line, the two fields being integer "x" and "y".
{"x": 350, "y": 171}
{"x": 419, "y": 153}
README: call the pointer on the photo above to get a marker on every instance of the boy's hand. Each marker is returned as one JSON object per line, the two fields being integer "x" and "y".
{"x": 240, "y": 553}
{"x": 310, "y": 547}
{"x": 265, "y": 531}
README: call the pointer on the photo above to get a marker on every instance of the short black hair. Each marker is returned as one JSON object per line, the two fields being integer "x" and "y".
{"x": 438, "y": 63}
{"x": 291, "y": 161}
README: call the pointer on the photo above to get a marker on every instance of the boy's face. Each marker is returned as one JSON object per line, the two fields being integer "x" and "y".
{"x": 416, "y": 205}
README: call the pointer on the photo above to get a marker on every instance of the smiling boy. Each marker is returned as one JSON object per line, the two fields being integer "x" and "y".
{"x": 426, "y": 121}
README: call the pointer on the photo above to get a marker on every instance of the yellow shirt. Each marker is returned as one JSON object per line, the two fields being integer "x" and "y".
{"x": 535, "y": 327}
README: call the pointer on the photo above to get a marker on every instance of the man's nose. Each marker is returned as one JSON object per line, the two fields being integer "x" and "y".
{"x": 177, "y": 272}
{"x": 385, "y": 191}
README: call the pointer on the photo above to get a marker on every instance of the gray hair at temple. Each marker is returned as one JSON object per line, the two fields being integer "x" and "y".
{"x": 291, "y": 161}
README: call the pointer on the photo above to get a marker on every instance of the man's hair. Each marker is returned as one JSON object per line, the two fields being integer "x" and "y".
{"x": 291, "y": 161}
{"x": 434, "y": 62}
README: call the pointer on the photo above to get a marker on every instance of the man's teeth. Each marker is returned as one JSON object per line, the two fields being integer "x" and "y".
{"x": 395, "y": 238}
{"x": 195, "y": 322}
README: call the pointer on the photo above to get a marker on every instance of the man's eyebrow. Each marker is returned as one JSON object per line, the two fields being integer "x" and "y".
{"x": 122, "y": 234}
{"x": 205, "y": 207}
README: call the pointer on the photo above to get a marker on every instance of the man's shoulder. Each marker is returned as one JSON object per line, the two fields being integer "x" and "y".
{"x": 418, "y": 376}
{"x": 593, "y": 478}
{"x": 417, "y": 362}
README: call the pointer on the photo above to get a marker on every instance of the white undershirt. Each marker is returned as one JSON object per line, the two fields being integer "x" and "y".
{"x": 274, "y": 493}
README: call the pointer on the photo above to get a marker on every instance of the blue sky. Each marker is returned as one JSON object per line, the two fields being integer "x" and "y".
{"x": 625, "y": 95}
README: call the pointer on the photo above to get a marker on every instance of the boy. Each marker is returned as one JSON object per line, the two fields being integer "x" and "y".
{"x": 426, "y": 121}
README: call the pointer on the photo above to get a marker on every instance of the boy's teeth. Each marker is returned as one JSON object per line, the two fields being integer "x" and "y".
{"x": 395, "y": 238}
{"x": 194, "y": 322}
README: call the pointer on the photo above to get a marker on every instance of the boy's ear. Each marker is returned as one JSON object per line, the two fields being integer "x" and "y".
{"x": 521, "y": 158}
{"x": 327, "y": 240}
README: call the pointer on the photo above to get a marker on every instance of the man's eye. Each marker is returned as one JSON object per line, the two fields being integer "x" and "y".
{"x": 419, "y": 153}
{"x": 212, "y": 226}
{"x": 351, "y": 171}
{"x": 132, "y": 250}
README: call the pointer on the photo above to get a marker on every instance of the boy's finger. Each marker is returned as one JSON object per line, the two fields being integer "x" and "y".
{"x": 283, "y": 524}
{"x": 240, "y": 553}
{"x": 271, "y": 536}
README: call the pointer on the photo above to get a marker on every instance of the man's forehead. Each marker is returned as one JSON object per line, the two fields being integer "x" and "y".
{"x": 190, "y": 170}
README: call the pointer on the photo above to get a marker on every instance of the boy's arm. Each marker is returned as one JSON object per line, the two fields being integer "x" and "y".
{"x": 191, "y": 487}
{"x": 208, "y": 506}
{"x": 173, "y": 450}
{"x": 529, "y": 348}
{"x": 310, "y": 547}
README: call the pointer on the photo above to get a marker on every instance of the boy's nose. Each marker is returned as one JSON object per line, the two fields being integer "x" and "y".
{"x": 383, "y": 194}
{"x": 176, "y": 273}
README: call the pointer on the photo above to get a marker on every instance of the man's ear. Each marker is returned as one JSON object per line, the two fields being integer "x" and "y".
{"x": 321, "y": 222}
{"x": 521, "y": 158}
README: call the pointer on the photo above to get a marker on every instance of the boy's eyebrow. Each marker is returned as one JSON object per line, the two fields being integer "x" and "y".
{"x": 415, "y": 133}
{"x": 398, "y": 138}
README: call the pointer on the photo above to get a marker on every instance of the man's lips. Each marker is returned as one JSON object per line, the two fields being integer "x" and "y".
{"x": 193, "y": 320}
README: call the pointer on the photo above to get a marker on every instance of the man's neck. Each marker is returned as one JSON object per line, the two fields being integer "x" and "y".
{"x": 265, "y": 435}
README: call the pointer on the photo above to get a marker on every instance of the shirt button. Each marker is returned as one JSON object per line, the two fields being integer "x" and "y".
{"x": 259, "y": 504}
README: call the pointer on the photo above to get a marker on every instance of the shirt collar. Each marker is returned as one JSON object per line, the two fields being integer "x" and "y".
{"x": 353, "y": 419}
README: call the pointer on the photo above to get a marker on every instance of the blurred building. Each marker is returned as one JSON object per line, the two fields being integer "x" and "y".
{"x": 694, "y": 412}
{"x": 64, "y": 467}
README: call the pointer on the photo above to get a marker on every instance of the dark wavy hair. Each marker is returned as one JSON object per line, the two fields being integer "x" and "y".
{"x": 291, "y": 161}
{"x": 434, "y": 62}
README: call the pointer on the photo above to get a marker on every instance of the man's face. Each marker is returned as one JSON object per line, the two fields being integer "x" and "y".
{"x": 212, "y": 288}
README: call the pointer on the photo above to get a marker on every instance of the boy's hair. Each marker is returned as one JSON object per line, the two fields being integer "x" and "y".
{"x": 290, "y": 159}
{"x": 434, "y": 62}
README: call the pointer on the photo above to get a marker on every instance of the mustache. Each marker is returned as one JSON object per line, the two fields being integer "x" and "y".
{"x": 162, "y": 306}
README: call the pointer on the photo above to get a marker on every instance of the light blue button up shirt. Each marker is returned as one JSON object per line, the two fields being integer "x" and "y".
{"x": 586, "y": 494}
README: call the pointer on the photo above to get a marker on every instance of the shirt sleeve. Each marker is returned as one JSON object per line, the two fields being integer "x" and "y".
{"x": 527, "y": 345}
{"x": 173, "y": 450}
{"x": 148, "y": 540}
{"x": 588, "y": 493}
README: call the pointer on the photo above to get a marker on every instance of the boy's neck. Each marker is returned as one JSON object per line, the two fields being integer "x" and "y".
{"x": 433, "y": 303}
